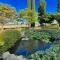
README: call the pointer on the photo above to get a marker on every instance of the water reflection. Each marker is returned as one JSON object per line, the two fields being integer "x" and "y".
{"x": 27, "y": 47}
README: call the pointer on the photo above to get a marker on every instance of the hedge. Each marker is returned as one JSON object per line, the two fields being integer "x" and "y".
{"x": 8, "y": 38}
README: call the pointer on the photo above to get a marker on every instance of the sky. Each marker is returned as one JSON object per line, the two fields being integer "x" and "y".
{"x": 51, "y": 5}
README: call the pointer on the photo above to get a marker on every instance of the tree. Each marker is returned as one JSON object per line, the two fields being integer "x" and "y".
{"x": 31, "y": 4}
{"x": 7, "y": 14}
{"x": 41, "y": 11}
{"x": 7, "y": 11}
{"x": 49, "y": 18}
{"x": 58, "y": 18}
{"x": 29, "y": 15}
{"x": 58, "y": 8}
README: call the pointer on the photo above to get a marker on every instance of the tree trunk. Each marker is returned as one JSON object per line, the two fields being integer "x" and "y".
{"x": 33, "y": 24}
{"x": 59, "y": 24}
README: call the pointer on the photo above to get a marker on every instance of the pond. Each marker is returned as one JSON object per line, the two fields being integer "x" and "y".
{"x": 27, "y": 47}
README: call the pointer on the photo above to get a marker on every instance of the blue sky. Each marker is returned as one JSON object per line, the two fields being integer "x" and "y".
{"x": 51, "y": 5}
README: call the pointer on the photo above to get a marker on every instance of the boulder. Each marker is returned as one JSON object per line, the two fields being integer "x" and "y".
{"x": 12, "y": 57}
{"x": 5, "y": 55}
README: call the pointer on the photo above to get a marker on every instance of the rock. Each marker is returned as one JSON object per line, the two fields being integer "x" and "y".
{"x": 25, "y": 38}
{"x": 12, "y": 57}
{"x": 21, "y": 58}
{"x": 8, "y": 56}
{"x": 5, "y": 55}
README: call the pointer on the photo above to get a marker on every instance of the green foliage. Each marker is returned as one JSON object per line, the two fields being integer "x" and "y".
{"x": 44, "y": 55}
{"x": 41, "y": 11}
{"x": 58, "y": 17}
{"x": 54, "y": 33}
{"x": 42, "y": 7}
{"x": 35, "y": 35}
{"x": 7, "y": 11}
{"x": 49, "y": 18}
{"x": 29, "y": 15}
{"x": 9, "y": 37}
{"x": 58, "y": 8}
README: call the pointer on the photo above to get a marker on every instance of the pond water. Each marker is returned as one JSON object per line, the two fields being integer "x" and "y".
{"x": 27, "y": 47}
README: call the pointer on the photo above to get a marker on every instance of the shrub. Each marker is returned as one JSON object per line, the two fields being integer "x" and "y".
{"x": 55, "y": 34}
{"x": 36, "y": 35}
{"x": 40, "y": 55}
{"x": 9, "y": 37}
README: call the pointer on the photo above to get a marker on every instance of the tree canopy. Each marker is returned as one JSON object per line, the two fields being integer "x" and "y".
{"x": 28, "y": 14}
{"x": 7, "y": 11}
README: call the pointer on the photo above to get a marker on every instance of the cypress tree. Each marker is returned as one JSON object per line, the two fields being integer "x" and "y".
{"x": 29, "y": 4}
{"x": 58, "y": 9}
{"x": 41, "y": 11}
